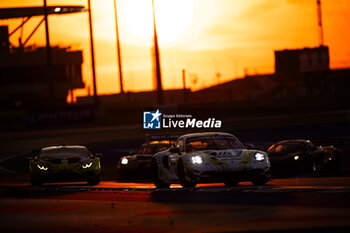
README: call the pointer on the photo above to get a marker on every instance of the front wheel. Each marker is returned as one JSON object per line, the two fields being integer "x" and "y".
{"x": 183, "y": 176}
{"x": 155, "y": 176}
{"x": 121, "y": 175}
{"x": 35, "y": 181}
{"x": 260, "y": 180}
{"x": 94, "y": 181}
{"x": 231, "y": 182}
{"x": 335, "y": 162}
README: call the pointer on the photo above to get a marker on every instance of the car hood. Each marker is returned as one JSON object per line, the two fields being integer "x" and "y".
{"x": 66, "y": 159}
{"x": 220, "y": 154}
{"x": 275, "y": 157}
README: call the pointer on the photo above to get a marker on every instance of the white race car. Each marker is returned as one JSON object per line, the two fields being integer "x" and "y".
{"x": 209, "y": 157}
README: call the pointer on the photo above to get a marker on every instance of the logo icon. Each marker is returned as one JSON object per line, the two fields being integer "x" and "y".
{"x": 151, "y": 120}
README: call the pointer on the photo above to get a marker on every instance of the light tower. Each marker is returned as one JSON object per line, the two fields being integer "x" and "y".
{"x": 320, "y": 25}
{"x": 92, "y": 55}
{"x": 157, "y": 61}
{"x": 118, "y": 49}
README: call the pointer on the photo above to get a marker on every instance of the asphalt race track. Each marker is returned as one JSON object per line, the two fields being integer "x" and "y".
{"x": 294, "y": 205}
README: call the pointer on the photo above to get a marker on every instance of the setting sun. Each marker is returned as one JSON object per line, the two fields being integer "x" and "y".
{"x": 173, "y": 18}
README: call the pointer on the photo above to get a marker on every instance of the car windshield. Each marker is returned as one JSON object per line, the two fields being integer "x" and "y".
{"x": 159, "y": 148}
{"x": 152, "y": 149}
{"x": 60, "y": 153}
{"x": 290, "y": 148}
{"x": 216, "y": 142}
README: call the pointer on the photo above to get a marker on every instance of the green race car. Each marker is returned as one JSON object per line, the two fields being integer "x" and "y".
{"x": 65, "y": 163}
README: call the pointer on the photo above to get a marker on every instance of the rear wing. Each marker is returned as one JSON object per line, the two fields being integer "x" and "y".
{"x": 167, "y": 138}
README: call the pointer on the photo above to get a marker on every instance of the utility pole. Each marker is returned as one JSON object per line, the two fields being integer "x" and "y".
{"x": 157, "y": 61}
{"x": 184, "y": 85}
{"x": 92, "y": 55}
{"x": 48, "y": 54}
{"x": 118, "y": 49}
{"x": 320, "y": 25}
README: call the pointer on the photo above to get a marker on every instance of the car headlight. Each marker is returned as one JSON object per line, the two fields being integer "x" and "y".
{"x": 124, "y": 161}
{"x": 87, "y": 165}
{"x": 259, "y": 156}
{"x": 197, "y": 159}
{"x": 296, "y": 157}
{"x": 42, "y": 167}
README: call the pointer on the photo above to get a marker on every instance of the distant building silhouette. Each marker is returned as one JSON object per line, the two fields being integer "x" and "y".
{"x": 31, "y": 76}
{"x": 23, "y": 73}
{"x": 299, "y": 73}
{"x": 290, "y": 63}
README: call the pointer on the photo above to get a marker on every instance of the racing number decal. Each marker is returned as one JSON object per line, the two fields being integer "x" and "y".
{"x": 213, "y": 161}
{"x": 247, "y": 158}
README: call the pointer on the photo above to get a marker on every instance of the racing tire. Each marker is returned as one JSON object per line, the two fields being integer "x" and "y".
{"x": 120, "y": 175}
{"x": 260, "y": 180}
{"x": 310, "y": 165}
{"x": 35, "y": 181}
{"x": 334, "y": 166}
{"x": 181, "y": 172}
{"x": 232, "y": 182}
{"x": 94, "y": 181}
{"x": 155, "y": 176}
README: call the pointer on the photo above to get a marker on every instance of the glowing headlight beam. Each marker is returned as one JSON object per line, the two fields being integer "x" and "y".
{"x": 259, "y": 157}
{"x": 296, "y": 157}
{"x": 124, "y": 161}
{"x": 197, "y": 159}
{"x": 87, "y": 165}
{"x": 42, "y": 167}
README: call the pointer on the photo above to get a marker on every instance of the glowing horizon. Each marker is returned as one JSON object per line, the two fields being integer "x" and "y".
{"x": 215, "y": 41}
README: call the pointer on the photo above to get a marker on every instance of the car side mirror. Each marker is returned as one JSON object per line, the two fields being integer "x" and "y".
{"x": 30, "y": 158}
{"x": 99, "y": 155}
{"x": 175, "y": 150}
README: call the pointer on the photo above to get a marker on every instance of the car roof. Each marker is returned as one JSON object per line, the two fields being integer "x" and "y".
{"x": 63, "y": 147}
{"x": 294, "y": 141}
{"x": 206, "y": 134}
{"x": 156, "y": 144}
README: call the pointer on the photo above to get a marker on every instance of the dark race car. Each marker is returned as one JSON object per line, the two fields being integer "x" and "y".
{"x": 303, "y": 155}
{"x": 64, "y": 163}
{"x": 139, "y": 165}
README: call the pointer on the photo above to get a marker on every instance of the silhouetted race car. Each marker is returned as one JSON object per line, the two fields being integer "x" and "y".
{"x": 303, "y": 155}
{"x": 64, "y": 163}
{"x": 139, "y": 165}
{"x": 209, "y": 157}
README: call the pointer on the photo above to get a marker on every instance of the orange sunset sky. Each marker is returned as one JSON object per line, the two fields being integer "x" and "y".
{"x": 205, "y": 37}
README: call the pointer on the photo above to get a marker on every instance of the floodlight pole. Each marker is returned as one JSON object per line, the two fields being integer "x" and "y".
{"x": 48, "y": 54}
{"x": 118, "y": 49}
{"x": 157, "y": 60}
{"x": 320, "y": 25}
{"x": 184, "y": 85}
{"x": 92, "y": 55}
